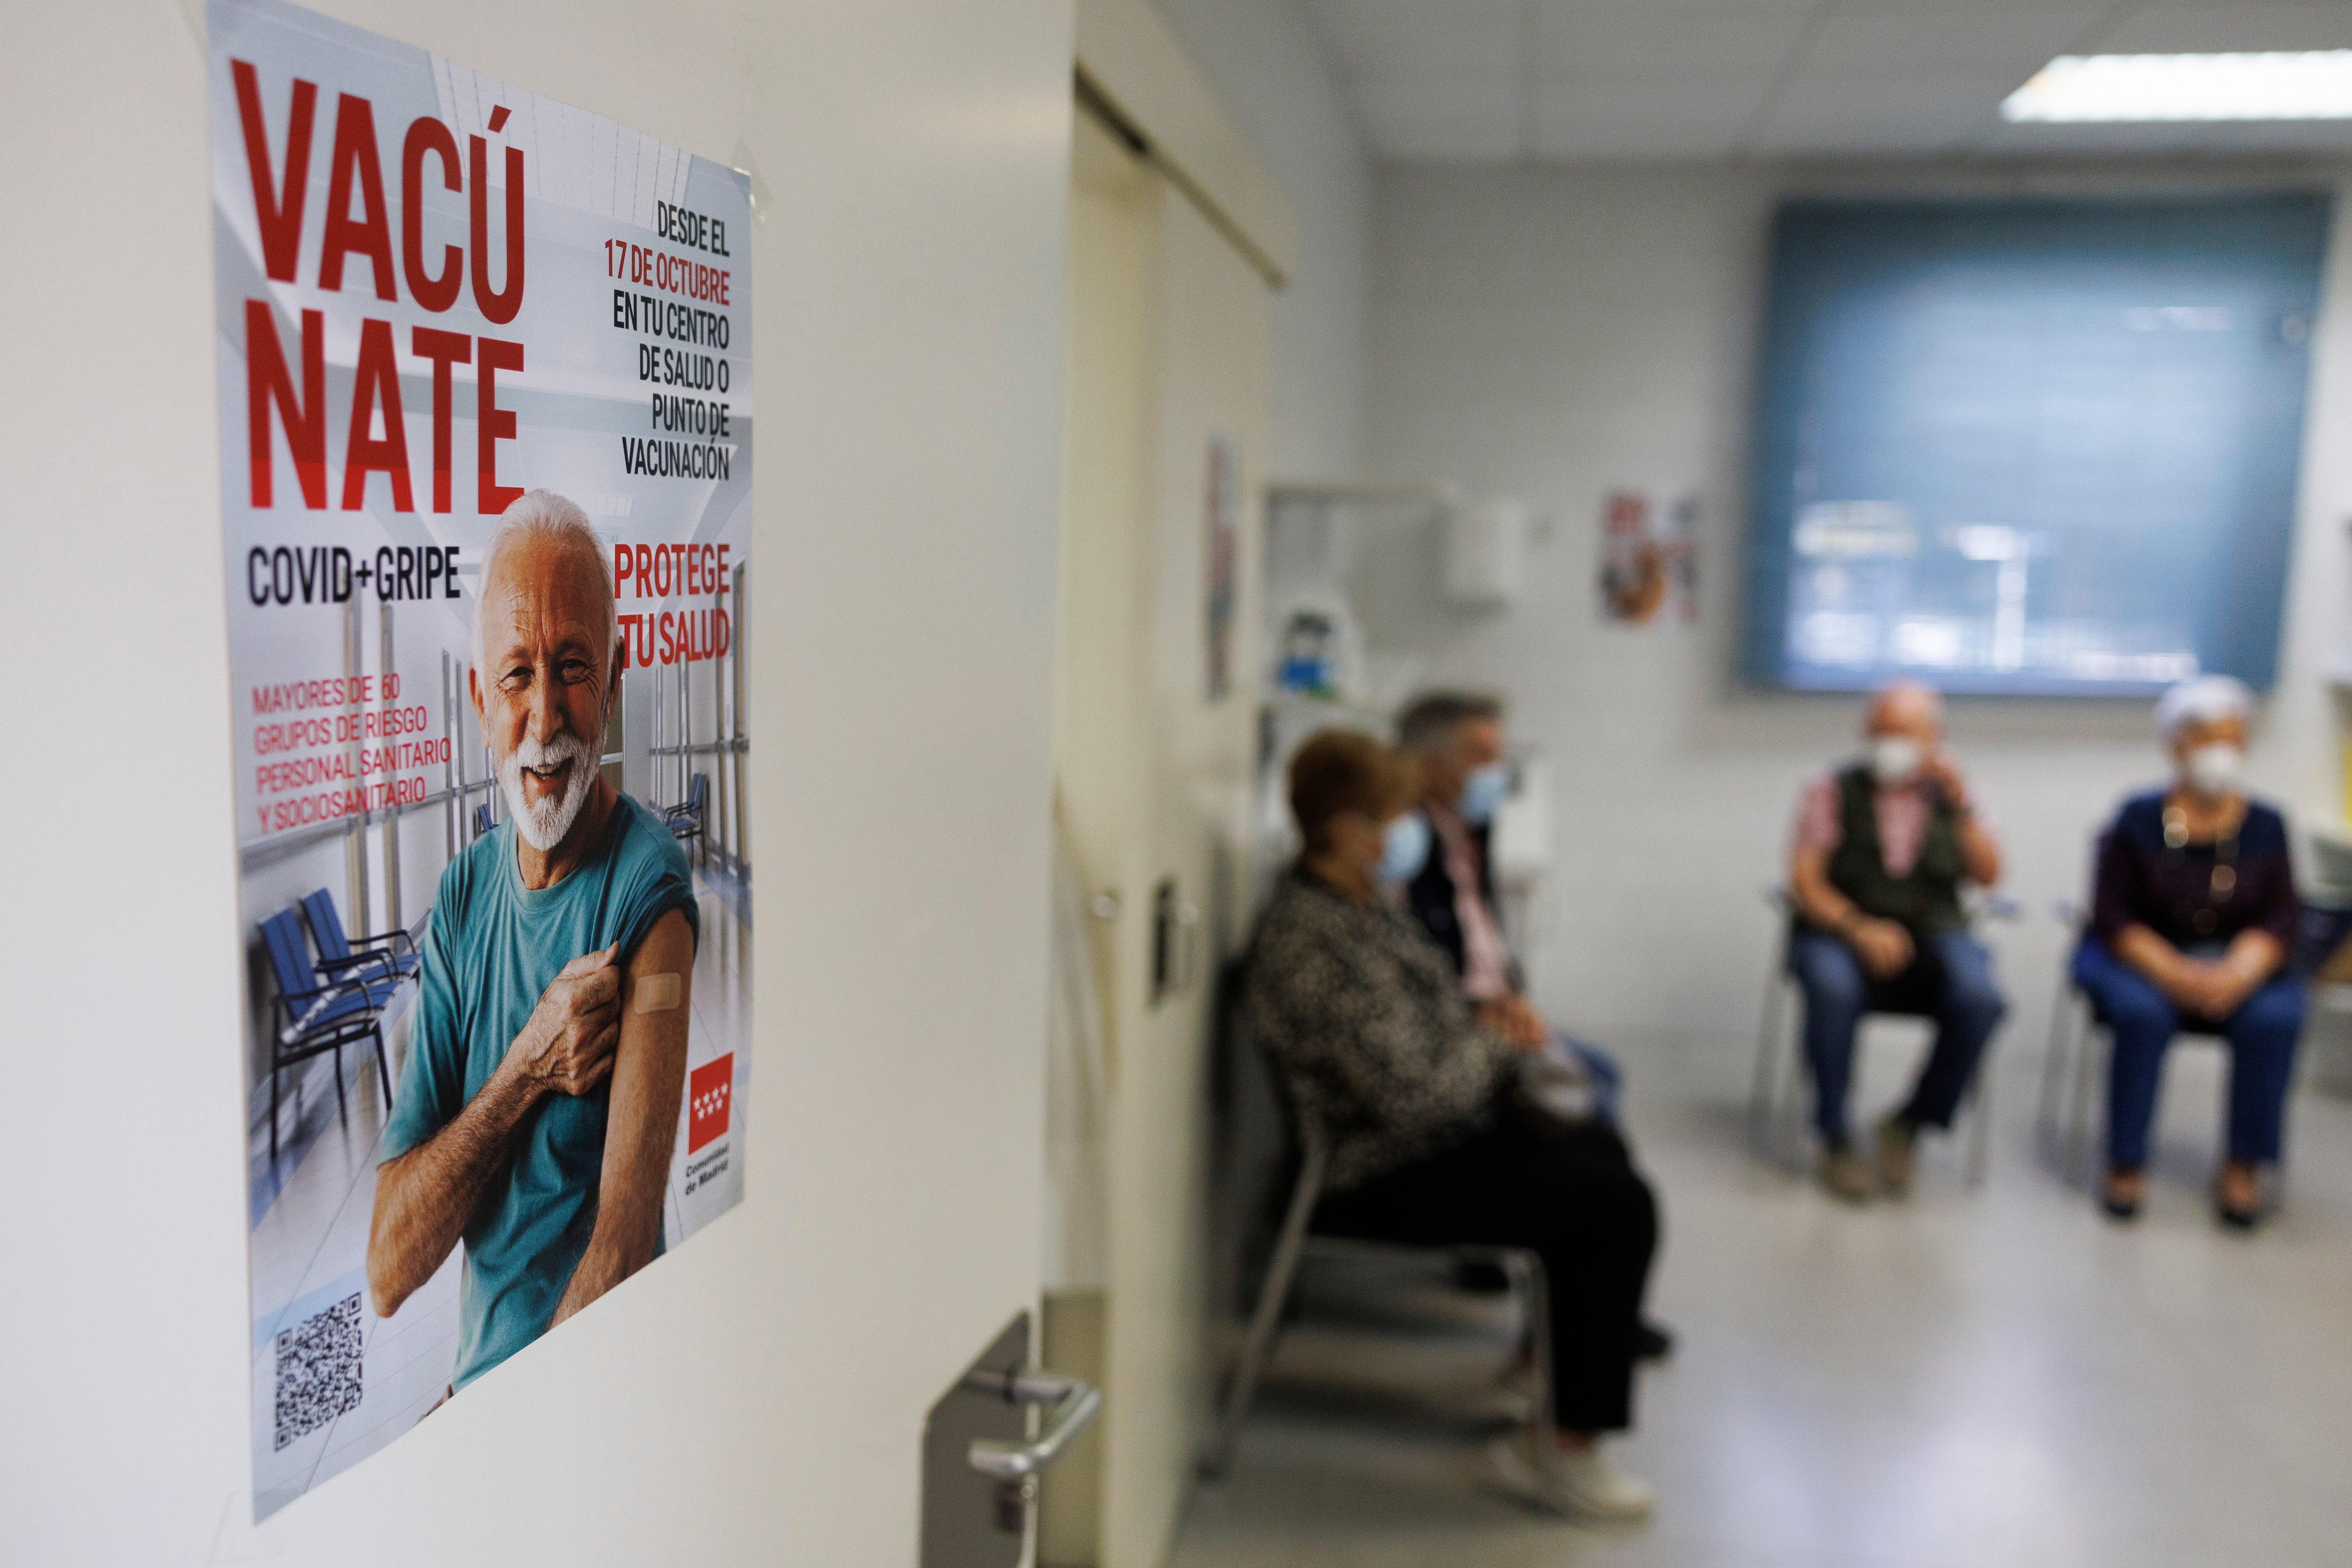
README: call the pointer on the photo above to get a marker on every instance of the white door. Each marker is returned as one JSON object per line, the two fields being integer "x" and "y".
{"x": 1154, "y": 724}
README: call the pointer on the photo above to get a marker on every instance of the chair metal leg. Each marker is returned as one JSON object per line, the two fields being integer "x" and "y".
{"x": 1980, "y": 1103}
{"x": 2078, "y": 1112}
{"x": 382, "y": 1073}
{"x": 343, "y": 1113}
{"x": 2054, "y": 1070}
{"x": 1266, "y": 1320}
{"x": 1533, "y": 1287}
{"x": 1761, "y": 1105}
{"x": 1789, "y": 1103}
{"x": 275, "y": 1072}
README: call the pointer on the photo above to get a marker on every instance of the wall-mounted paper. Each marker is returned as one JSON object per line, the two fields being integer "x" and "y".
{"x": 486, "y": 458}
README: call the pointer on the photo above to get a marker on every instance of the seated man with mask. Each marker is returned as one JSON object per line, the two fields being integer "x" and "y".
{"x": 539, "y": 1099}
{"x": 1458, "y": 739}
{"x": 1881, "y": 850}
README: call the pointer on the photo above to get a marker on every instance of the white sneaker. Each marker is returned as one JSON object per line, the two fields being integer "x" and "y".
{"x": 1581, "y": 1485}
{"x": 1598, "y": 1489}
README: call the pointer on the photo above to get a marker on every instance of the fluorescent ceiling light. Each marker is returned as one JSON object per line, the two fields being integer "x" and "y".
{"x": 2313, "y": 85}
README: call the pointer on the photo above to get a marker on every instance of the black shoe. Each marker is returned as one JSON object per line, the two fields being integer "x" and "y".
{"x": 2117, "y": 1207}
{"x": 1653, "y": 1341}
{"x": 2233, "y": 1217}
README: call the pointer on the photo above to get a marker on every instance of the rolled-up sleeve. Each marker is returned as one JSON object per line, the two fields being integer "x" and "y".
{"x": 1816, "y": 830}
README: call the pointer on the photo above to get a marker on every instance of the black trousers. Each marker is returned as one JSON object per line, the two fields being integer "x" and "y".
{"x": 1577, "y": 1203}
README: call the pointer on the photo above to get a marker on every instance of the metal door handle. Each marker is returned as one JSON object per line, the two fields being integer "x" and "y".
{"x": 1076, "y": 1404}
{"x": 1188, "y": 944}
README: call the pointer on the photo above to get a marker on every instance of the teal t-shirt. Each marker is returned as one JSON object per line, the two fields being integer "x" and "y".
{"x": 491, "y": 947}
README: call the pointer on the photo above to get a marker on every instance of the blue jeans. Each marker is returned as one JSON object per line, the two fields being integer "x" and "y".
{"x": 1608, "y": 1077}
{"x": 2262, "y": 1035}
{"x": 1949, "y": 981}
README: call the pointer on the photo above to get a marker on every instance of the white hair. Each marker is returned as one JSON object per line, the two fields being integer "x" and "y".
{"x": 2204, "y": 699}
{"x": 543, "y": 515}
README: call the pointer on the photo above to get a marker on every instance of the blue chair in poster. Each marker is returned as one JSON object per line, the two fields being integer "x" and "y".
{"x": 482, "y": 823}
{"x": 312, "y": 1015}
{"x": 382, "y": 955}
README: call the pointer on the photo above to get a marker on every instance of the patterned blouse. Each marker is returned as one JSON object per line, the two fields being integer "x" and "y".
{"x": 1367, "y": 1019}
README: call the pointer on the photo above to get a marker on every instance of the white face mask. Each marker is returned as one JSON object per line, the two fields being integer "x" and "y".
{"x": 2214, "y": 771}
{"x": 1895, "y": 758}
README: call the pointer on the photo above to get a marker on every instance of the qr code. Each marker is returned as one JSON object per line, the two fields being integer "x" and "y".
{"x": 318, "y": 1370}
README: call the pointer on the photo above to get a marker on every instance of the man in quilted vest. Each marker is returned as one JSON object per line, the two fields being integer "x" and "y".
{"x": 1882, "y": 849}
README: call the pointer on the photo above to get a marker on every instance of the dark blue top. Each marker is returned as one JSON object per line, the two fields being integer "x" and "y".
{"x": 2195, "y": 893}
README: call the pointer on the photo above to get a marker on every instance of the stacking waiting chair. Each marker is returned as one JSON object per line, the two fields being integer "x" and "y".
{"x": 376, "y": 959}
{"x": 1776, "y": 1097}
{"x": 1271, "y": 1163}
{"x": 686, "y": 819}
{"x": 483, "y": 821}
{"x": 315, "y": 1015}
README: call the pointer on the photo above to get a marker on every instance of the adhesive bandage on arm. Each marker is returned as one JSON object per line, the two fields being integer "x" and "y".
{"x": 658, "y": 993}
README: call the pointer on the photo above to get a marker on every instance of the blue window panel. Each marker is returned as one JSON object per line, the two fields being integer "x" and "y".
{"x": 2046, "y": 447}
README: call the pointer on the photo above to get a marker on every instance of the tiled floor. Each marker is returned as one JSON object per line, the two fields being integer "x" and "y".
{"x": 313, "y": 1206}
{"x": 1971, "y": 1380}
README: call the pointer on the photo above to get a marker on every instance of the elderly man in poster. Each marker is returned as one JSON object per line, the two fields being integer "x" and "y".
{"x": 540, "y": 1099}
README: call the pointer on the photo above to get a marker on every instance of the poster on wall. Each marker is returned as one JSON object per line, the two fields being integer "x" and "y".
{"x": 486, "y": 469}
{"x": 1649, "y": 557}
{"x": 1222, "y": 493}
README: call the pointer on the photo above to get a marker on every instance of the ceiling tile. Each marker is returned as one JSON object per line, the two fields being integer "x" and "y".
{"x": 1644, "y": 80}
{"x": 1853, "y": 110}
{"x": 1432, "y": 126}
{"x": 1620, "y": 142}
{"x": 1665, "y": 40}
{"x": 1917, "y": 41}
{"x": 2226, "y": 28}
{"x": 1464, "y": 42}
{"x": 1633, "y": 119}
{"x": 1994, "y": 10}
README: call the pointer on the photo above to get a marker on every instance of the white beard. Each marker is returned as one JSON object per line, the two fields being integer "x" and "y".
{"x": 543, "y": 824}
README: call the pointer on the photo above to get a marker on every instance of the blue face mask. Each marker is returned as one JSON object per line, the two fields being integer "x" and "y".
{"x": 1404, "y": 848}
{"x": 1484, "y": 792}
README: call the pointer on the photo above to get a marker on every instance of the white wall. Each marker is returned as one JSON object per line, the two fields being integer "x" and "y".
{"x": 758, "y": 1397}
{"x": 1267, "y": 61}
{"x": 1554, "y": 334}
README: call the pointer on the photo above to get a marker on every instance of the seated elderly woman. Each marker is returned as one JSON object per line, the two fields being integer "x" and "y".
{"x": 2191, "y": 924}
{"x": 1433, "y": 1141}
